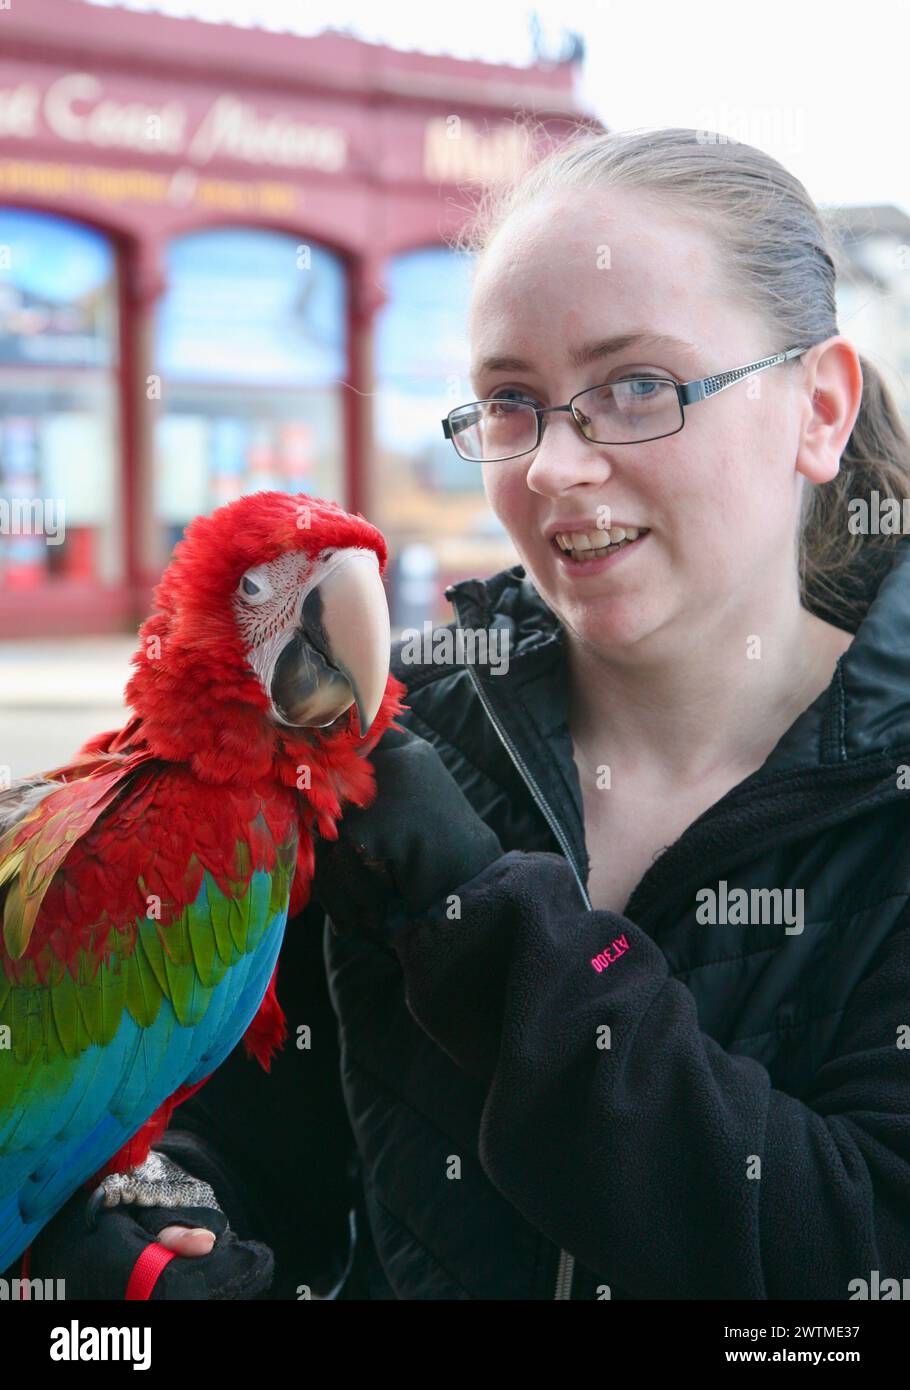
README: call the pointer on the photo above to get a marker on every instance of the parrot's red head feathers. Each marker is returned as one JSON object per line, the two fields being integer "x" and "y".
{"x": 216, "y": 550}
{"x": 269, "y": 642}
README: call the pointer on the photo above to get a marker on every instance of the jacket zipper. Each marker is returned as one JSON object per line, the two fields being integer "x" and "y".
{"x": 532, "y": 785}
{"x": 564, "y": 1275}
{"x": 566, "y": 1261}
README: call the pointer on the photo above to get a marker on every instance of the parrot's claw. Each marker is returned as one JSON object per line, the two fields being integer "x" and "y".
{"x": 158, "y": 1182}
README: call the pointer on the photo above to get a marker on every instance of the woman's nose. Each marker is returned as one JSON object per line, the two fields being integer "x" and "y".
{"x": 564, "y": 457}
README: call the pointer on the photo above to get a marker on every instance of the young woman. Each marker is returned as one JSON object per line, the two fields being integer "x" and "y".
{"x": 620, "y": 956}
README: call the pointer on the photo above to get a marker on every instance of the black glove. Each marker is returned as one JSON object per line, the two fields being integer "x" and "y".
{"x": 95, "y": 1253}
{"x": 418, "y": 841}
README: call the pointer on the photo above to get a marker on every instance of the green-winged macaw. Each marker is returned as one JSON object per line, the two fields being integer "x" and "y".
{"x": 145, "y": 886}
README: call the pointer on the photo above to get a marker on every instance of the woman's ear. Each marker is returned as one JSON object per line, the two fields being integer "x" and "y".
{"x": 834, "y": 391}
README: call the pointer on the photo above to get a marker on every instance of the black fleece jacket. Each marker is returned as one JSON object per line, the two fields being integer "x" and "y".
{"x": 632, "y": 1138}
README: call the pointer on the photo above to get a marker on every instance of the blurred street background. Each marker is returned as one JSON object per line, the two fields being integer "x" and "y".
{"x": 227, "y": 263}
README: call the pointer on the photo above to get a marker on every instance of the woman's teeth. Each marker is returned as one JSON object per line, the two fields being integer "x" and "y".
{"x": 591, "y": 545}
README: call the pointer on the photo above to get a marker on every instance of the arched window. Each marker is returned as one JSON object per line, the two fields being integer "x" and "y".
{"x": 60, "y": 485}
{"x": 251, "y": 353}
{"x": 430, "y": 503}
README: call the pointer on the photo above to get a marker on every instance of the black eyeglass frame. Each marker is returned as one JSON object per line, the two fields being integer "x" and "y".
{"x": 687, "y": 393}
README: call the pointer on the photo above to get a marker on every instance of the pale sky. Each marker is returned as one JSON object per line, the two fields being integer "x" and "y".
{"x": 823, "y": 90}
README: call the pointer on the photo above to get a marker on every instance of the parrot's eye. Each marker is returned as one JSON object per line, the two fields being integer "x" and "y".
{"x": 254, "y": 587}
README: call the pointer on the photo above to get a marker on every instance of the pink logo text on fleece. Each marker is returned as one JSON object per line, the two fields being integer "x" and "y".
{"x": 610, "y": 953}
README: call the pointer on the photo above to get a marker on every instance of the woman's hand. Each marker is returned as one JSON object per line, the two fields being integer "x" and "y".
{"x": 96, "y": 1251}
{"x": 418, "y": 841}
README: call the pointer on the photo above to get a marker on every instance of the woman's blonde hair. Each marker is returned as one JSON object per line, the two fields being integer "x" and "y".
{"x": 780, "y": 252}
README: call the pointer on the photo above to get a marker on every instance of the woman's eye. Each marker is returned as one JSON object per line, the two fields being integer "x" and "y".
{"x": 513, "y": 397}
{"x": 511, "y": 393}
{"x": 638, "y": 373}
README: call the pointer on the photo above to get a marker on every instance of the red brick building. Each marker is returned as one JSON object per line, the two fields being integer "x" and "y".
{"x": 223, "y": 266}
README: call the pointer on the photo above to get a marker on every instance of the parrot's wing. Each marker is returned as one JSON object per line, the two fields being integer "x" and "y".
{"x": 104, "y": 1018}
{"x": 36, "y": 844}
{"x": 17, "y": 801}
{"x": 35, "y": 838}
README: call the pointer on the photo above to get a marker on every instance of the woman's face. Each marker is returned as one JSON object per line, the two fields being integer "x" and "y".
{"x": 720, "y": 498}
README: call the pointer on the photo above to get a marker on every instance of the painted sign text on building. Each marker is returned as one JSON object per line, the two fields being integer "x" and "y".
{"x": 74, "y": 108}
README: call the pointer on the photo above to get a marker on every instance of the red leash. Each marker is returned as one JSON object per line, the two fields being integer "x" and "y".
{"x": 147, "y": 1270}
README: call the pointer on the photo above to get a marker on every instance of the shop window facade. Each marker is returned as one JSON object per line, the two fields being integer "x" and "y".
{"x": 430, "y": 503}
{"x": 60, "y": 473}
{"x": 250, "y": 353}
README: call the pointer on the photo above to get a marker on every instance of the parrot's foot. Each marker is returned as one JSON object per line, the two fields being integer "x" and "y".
{"x": 158, "y": 1182}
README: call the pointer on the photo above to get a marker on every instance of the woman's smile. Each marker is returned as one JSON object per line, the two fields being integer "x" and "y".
{"x": 582, "y": 564}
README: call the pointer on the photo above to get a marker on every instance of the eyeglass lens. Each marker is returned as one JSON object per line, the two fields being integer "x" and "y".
{"x": 621, "y": 413}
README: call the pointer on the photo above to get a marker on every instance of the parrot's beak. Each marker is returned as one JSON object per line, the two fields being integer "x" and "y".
{"x": 339, "y": 654}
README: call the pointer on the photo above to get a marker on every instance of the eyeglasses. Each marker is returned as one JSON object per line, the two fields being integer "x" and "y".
{"x": 631, "y": 411}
